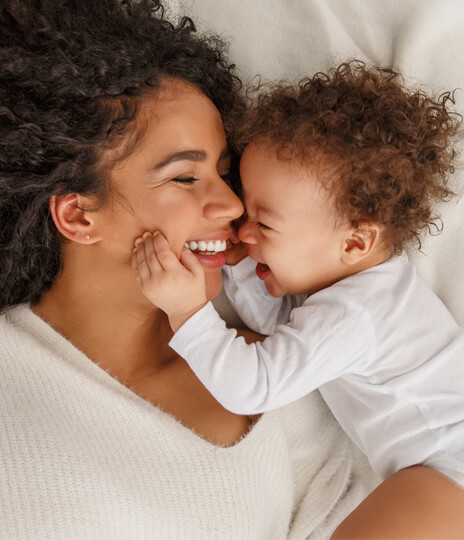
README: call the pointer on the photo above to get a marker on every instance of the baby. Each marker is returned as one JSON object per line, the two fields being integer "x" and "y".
{"x": 339, "y": 175}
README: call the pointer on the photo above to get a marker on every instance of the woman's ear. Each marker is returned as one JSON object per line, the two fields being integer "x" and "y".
{"x": 72, "y": 219}
{"x": 360, "y": 242}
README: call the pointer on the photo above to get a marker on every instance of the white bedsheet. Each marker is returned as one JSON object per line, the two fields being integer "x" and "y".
{"x": 424, "y": 39}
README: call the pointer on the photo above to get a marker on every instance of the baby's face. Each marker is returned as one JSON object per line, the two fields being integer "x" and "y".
{"x": 291, "y": 229}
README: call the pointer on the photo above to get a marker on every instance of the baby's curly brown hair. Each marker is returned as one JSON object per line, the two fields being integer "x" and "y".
{"x": 386, "y": 151}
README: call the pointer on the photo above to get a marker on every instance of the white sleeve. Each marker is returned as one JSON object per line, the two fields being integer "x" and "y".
{"x": 323, "y": 340}
{"x": 248, "y": 296}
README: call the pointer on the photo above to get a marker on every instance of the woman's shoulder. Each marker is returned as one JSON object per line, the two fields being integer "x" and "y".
{"x": 15, "y": 330}
{"x": 25, "y": 336}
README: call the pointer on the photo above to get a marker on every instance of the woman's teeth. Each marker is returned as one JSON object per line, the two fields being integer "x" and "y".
{"x": 210, "y": 247}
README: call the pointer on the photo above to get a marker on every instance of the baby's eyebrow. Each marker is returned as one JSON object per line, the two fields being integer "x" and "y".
{"x": 273, "y": 214}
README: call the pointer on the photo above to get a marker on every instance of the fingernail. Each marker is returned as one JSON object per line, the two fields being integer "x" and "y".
{"x": 138, "y": 241}
{"x": 156, "y": 233}
{"x": 146, "y": 235}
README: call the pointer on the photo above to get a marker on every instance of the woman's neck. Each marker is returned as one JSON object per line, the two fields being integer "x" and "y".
{"x": 105, "y": 315}
{"x": 118, "y": 329}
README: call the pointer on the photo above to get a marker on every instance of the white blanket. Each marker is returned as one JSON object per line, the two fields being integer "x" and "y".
{"x": 423, "y": 39}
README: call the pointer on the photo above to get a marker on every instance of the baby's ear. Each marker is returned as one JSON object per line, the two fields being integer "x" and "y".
{"x": 360, "y": 242}
{"x": 71, "y": 219}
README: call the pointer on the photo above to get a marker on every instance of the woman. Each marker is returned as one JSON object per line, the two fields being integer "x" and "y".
{"x": 110, "y": 126}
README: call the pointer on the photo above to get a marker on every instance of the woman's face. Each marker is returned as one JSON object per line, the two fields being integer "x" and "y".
{"x": 175, "y": 181}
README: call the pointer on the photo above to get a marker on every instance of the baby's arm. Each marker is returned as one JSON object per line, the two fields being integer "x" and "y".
{"x": 251, "y": 378}
{"x": 248, "y": 296}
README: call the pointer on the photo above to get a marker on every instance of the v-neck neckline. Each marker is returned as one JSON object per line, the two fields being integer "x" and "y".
{"x": 39, "y": 328}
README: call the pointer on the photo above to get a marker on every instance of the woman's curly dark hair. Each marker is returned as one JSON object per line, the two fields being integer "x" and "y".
{"x": 384, "y": 152}
{"x": 71, "y": 76}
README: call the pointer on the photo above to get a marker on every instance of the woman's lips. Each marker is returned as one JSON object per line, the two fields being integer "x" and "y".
{"x": 262, "y": 271}
{"x": 216, "y": 260}
{"x": 210, "y": 250}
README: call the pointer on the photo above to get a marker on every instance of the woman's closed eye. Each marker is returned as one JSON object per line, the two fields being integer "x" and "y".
{"x": 192, "y": 179}
{"x": 185, "y": 180}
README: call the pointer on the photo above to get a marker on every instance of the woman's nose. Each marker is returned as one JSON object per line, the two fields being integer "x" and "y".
{"x": 246, "y": 233}
{"x": 222, "y": 202}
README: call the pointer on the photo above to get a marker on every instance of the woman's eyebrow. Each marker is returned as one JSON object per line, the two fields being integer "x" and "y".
{"x": 189, "y": 155}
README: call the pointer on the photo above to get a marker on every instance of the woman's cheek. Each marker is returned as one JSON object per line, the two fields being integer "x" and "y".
{"x": 180, "y": 220}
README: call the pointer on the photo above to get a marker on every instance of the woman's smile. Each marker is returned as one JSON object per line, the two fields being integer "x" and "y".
{"x": 210, "y": 250}
{"x": 209, "y": 247}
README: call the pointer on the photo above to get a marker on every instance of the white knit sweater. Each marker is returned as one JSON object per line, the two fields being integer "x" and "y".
{"x": 83, "y": 457}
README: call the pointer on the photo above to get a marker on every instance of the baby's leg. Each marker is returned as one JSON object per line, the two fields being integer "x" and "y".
{"x": 417, "y": 502}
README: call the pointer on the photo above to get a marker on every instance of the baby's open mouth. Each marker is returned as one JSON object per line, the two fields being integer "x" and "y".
{"x": 209, "y": 247}
{"x": 262, "y": 270}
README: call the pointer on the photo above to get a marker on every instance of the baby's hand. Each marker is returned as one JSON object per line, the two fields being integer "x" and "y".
{"x": 175, "y": 286}
{"x": 237, "y": 251}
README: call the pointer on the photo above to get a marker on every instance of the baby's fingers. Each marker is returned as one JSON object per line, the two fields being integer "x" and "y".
{"x": 139, "y": 261}
{"x": 150, "y": 257}
{"x": 191, "y": 263}
{"x": 166, "y": 257}
{"x": 134, "y": 265}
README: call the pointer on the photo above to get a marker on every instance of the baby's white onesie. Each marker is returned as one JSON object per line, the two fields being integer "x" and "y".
{"x": 384, "y": 351}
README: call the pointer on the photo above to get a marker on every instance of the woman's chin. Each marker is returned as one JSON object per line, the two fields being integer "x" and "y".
{"x": 213, "y": 282}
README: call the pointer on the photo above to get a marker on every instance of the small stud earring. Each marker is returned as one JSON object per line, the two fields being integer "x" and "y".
{"x": 87, "y": 237}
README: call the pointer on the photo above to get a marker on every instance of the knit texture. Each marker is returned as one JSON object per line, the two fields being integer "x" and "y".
{"x": 82, "y": 456}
